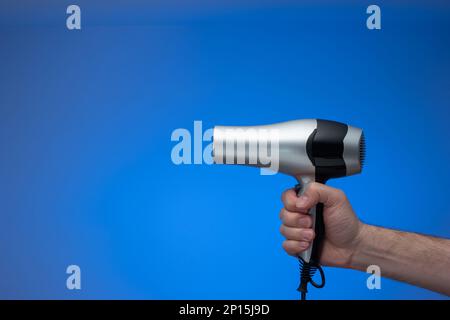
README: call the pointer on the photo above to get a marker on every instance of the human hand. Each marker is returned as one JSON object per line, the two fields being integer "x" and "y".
{"x": 343, "y": 229}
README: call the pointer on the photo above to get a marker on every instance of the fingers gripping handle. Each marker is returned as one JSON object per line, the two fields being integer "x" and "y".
{"x": 313, "y": 252}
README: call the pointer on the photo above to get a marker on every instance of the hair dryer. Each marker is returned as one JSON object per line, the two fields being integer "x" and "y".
{"x": 309, "y": 150}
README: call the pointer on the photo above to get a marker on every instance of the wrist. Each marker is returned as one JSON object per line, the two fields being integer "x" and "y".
{"x": 361, "y": 247}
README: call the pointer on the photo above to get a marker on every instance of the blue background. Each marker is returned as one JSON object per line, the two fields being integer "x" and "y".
{"x": 86, "y": 116}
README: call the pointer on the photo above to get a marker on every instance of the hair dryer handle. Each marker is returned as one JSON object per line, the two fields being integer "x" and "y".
{"x": 313, "y": 252}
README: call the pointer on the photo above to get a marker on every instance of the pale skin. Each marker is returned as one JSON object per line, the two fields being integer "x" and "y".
{"x": 417, "y": 259}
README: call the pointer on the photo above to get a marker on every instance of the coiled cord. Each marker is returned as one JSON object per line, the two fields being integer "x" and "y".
{"x": 307, "y": 271}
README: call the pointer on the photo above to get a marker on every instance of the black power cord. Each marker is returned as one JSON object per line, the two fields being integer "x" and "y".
{"x": 307, "y": 271}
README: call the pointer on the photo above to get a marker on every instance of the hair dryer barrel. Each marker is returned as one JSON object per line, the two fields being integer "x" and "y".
{"x": 316, "y": 149}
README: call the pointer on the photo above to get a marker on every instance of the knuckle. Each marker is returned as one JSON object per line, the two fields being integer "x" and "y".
{"x": 289, "y": 203}
{"x": 308, "y": 234}
{"x": 303, "y": 221}
{"x": 287, "y": 217}
{"x": 285, "y": 196}
{"x": 281, "y": 214}
{"x": 341, "y": 197}
{"x": 286, "y": 247}
{"x": 304, "y": 245}
{"x": 303, "y": 235}
{"x": 289, "y": 199}
{"x": 314, "y": 186}
{"x": 308, "y": 220}
{"x": 290, "y": 248}
{"x": 341, "y": 194}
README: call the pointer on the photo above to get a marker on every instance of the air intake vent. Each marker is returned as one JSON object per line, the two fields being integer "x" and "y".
{"x": 362, "y": 150}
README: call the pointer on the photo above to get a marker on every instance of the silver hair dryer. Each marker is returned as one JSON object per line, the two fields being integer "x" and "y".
{"x": 308, "y": 150}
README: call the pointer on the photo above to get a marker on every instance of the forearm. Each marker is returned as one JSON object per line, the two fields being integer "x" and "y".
{"x": 417, "y": 259}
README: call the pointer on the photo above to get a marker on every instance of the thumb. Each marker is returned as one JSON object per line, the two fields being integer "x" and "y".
{"x": 316, "y": 192}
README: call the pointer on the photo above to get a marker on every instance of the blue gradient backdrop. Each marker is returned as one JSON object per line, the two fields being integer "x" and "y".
{"x": 86, "y": 117}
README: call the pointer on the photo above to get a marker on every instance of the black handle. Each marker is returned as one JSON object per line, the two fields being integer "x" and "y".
{"x": 319, "y": 230}
{"x": 309, "y": 266}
